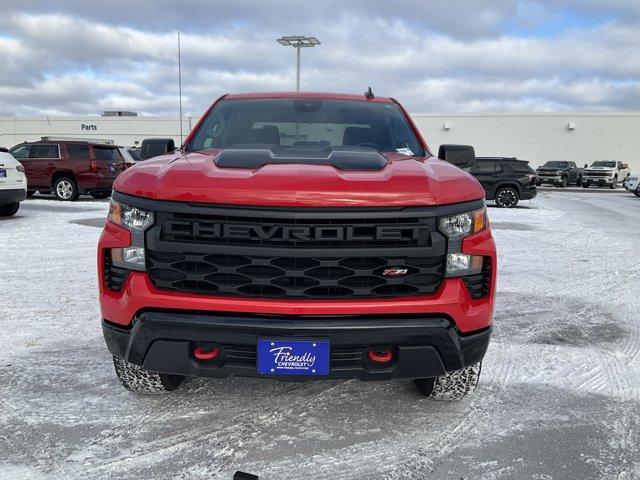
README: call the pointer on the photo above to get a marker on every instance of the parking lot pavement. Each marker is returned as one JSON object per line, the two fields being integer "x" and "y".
{"x": 559, "y": 395}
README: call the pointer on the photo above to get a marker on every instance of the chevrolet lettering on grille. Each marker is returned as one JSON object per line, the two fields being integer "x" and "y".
{"x": 306, "y": 233}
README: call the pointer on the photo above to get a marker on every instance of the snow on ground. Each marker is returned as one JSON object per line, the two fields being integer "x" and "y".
{"x": 559, "y": 395}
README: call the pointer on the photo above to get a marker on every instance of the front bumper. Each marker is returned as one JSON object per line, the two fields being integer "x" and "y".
{"x": 424, "y": 346}
{"x": 554, "y": 180}
{"x": 598, "y": 180}
{"x": 12, "y": 195}
{"x": 528, "y": 192}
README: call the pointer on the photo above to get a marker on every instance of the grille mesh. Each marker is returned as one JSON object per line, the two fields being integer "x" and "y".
{"x": 195, "y": 252}
{"x": 293, "y": 277}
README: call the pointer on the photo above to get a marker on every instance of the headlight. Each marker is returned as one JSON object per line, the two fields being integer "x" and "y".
{"x": 130, "y": 217}
{"x": 459, "y": 264}
{"x": 137, "y": 220}
{"x": 463, "y": 224}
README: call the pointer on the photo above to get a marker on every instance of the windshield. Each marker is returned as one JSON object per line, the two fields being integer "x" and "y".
{"x": 555, "y": 164}
{"x": 608, "y": 164}
{"x": 306, "y": 123}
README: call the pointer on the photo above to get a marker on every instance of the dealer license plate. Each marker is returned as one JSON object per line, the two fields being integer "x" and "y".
{"x": 293, "y": 357}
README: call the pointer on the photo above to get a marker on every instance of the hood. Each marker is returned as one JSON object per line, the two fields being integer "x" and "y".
{"x": 404, "y": 181}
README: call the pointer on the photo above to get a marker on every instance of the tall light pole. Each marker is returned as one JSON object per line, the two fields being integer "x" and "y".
{"x": 180, "y": 86}
{"x": 298, "y": 42}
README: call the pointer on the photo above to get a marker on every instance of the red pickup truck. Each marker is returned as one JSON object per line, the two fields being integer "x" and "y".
{"x": 299, "y": 235}
{"x": 70, "y": 168}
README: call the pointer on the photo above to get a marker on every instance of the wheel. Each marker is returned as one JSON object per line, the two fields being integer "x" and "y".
{"x": 136, "y": 379}
{"x": 9, "y": 209}
{"x": 586, "y": 185}
{"x": 65, "y": 189}
{"x": 506, "y": 197}
{"x": 31, "y": 193}
{"x": 100, "y": 195}
{"x": 637, "y": 191}
{"x": 614, "y": 184}
{"x": 453, "y": 386}
{"x": 563, "y": 183}
{"x": 579, "y": 182}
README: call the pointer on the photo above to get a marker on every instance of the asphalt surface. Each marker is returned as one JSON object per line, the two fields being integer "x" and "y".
{"x": 559, "y": 395}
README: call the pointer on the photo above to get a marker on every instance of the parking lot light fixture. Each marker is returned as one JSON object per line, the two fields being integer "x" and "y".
{"x": 298, "y": 42}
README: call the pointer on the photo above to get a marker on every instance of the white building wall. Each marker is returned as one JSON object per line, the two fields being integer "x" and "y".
{"x": 540, "y": 137}
{"x": 533, "y": 137}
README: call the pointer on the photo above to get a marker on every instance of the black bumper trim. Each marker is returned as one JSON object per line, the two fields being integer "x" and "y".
{"x": 424, "y": 346}
{"x": 12, "y": 195}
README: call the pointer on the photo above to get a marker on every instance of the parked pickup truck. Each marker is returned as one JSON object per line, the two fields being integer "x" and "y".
{"x": 300, "y": 235}
{"x": 559, "y": 173}
{"x": 605, "y": 173}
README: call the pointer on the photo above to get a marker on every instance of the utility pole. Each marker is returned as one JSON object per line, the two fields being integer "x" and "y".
{"x": 180, "y": 85}
{"x": 298, "y": 42}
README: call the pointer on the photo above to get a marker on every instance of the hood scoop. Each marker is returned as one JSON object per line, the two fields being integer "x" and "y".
{"x": 342, "y": 158}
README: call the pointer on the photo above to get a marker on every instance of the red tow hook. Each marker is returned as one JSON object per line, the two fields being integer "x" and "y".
{"x": 381, "y": 356}
{"x": 205, "y": 353}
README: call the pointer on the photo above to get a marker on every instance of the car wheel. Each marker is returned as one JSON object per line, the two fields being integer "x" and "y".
{"x": 579, "y": 182}
{"x": 100, "y": 195}
{"x": 9, "y": 209}
{"x": 586, "y": 185}
{"x": 614, "y": 184}
{"x": 506, "y": 197}
{"x": 637, "y": 190}
{"x": 563, "y": 183}
{"x": 139, "y": 380}
{"x": 452, "y": 386}
{"x": 65, "y": 189}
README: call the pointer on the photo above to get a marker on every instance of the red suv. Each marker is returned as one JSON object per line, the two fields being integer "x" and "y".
{"x": 70, "y": 168}
{"x": 299, "y": 235}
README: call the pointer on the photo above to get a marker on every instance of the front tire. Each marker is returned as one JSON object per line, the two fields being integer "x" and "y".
{"x": 65, "y": 189}
{"x": 137, "y": 379}
{"x": 637, "y": 191}
{"x": 452, "y": 386}
{"x": 506, "y": 197}
{"x": 586, "y": 185}
{"x": 614, "y": 184}
{"x": 9, "y": 209}
{"x": 563, "y": 182}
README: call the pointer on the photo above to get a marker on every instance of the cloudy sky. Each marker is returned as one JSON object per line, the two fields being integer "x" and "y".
{"x": 82, "y": 57}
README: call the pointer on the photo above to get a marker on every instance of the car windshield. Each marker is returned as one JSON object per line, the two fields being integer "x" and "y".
{"x": 607, "y": 164}
{"x": 306, "y": 123}
{"x": 555, "y": 164}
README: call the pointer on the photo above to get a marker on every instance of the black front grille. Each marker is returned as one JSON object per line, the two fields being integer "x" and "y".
{"x": 296, "y": 254}
{"x": 480, "y": 284}
{"x": 307, "y": 277}
{"x": 114, "y": 277}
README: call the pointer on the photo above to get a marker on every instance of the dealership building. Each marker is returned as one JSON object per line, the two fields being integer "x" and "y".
{"x": 536, "y": 137}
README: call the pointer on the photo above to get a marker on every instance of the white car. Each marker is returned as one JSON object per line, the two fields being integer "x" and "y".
{"x": 13, "y": 184}
{"x": 632, "y": 183}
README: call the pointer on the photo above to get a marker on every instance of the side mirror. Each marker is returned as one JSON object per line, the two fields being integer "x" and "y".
{"x": 625, "y": 166}
{"x": 462, "y": 156}
{"x": 154, "y": 147}
{"x": 4, "y": 150}
{"x": 586, "y": 165}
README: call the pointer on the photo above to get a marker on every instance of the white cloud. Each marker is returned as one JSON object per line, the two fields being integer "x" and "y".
{"x": 79, "y": 57}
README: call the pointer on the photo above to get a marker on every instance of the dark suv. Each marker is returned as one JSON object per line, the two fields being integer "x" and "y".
{"x": 505, "y": 180}
{"x": 69, "y": 168}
